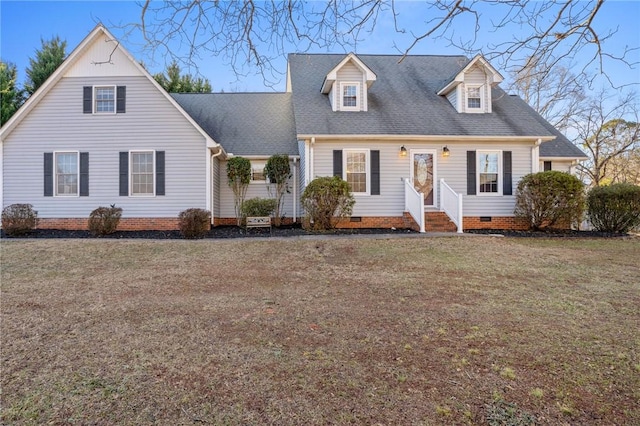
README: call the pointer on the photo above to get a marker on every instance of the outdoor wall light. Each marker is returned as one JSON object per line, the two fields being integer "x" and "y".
{"x": 403, "y": 151}
{"x": 445, "y": 151}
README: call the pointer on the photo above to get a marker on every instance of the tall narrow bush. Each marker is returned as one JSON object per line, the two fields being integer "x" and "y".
{"x": 614, "y": 208}
{"x": 239, "y": 177}
{"x": 550, "y": 199}
{"x": 278, "y": 173}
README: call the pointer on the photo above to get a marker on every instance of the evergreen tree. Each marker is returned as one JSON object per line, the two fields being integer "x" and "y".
{"x": 10, "y": 96}
{"x": 173, "y": 82}
{"x": 47, "y": 60}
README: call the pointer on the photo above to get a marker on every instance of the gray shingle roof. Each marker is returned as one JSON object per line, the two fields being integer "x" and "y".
{"x": 404, "y": 101}
{"x": 245, "y": 123}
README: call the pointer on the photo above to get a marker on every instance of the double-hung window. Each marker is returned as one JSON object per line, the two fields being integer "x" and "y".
{"x": 350, "y": 96}
{"x": 474, "y": 98}
{"x": 66, "y": 173}
{"x": 142, "y": 173}
{"x": 356, "y": 170}
{"x": 489, "y": 172}
{"x": 105, "y": 100}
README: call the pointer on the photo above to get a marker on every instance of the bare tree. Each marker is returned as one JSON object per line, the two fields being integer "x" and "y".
{"x": 557, "y": 95}
{"x": 610, "y": 135}
{"x": 253, "y": 34}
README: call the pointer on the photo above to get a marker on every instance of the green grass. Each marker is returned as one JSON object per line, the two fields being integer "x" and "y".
{"x": 391, "y": 331}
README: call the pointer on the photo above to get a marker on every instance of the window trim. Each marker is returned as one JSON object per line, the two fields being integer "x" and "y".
{"x": 55, "y": 174}
{"x": 367, "y": 159}
{"x": 500, "y": 172}
{"x": 358, "y": 96}
{"x": 466, "y": 98}
{"x": 94, "y": 102}
{"x": 153, "y": 172}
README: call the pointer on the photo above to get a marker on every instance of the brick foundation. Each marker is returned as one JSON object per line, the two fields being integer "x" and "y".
{"x": 495, "y": 222}
{"x": 435, "y": 222}
{"x": 126, "y": 224}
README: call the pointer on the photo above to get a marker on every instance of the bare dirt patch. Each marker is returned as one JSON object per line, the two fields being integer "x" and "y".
{"x": 366, "y": 331}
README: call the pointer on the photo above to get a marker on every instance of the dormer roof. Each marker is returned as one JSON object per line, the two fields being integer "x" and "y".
{"x": 480, "y": 61}
{"x": 332, "y": 76}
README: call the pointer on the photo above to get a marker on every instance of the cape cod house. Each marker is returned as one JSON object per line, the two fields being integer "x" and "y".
{"x": 430, "y": 141}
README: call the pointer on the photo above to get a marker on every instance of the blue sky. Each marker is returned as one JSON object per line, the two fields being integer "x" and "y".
{"x": 24, "y": 23}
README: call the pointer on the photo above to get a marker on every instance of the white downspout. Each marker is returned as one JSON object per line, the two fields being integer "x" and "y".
{"x": 311, "y": 165}
{"x": 295, "y": 191}
{"x": 213, "y": 201}
{"x": 535, "y": 157}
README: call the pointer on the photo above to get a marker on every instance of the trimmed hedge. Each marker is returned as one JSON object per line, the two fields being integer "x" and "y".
{"x": 550, "y": 199}
{"x": 614, "y": 208}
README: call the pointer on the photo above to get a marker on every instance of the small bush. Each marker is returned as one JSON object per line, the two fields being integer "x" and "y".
{"x": 194, "y": 223}
{"x": 258, "y": 207}
{"x": 19, "y": 219}
{"x": 326, "y": 198}
{"x": 614, "y": 208}
{"x": 105, "y": 220}
{"x": 550, "y": 199}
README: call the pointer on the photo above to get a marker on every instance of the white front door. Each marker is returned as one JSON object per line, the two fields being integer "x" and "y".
{"x": 423, "y": 174}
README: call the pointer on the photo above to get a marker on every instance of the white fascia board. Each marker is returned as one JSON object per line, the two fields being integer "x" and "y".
{"x": 428, "y": 138}
{"x": 496, "y": 77}
{"x": 562, "y": 158}
{"x": 332, "y": 76}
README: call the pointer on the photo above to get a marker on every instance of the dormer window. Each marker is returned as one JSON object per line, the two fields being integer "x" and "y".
{"x": 347, "y": 85}
{"x": 474, "y": 99}
{"x": 350, "y": 96}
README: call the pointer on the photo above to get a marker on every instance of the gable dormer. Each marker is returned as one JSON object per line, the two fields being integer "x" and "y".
{"x": 470, "y": 90}
{"x": 347, "y": 84}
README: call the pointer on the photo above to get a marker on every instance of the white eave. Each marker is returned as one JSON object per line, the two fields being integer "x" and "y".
{"x": 425, "y": 138}
{"x": 370, "y": 76}
{"x": 496, "y": 77}
{"x": 98, "y": 31}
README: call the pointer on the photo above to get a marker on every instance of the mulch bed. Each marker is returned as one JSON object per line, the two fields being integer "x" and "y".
{"x": 297, "y": 230}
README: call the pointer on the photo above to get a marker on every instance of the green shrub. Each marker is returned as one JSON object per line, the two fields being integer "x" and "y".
{"x": 194, "y": 223}
{"x": 326, "y": 198}
{"x": 105, "y": 220}
{"x": 258, "y": 207}
{"x": 614, "y": 208}
{"x": 19, "y": 219}
{"x": 550, "y": 199}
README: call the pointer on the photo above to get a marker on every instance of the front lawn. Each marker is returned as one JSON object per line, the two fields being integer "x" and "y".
{"x": 473, "y": 330}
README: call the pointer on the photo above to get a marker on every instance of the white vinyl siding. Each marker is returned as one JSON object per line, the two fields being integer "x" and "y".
{"x": 66, "y": 172}
{"x": 151, "y": 123}
{"x": 476, "y": 79}
{"x": 393, "y": 169}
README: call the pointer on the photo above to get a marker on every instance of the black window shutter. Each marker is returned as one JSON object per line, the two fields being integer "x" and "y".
{"x": 337, "y": 163}
{"x": 547, "y": 166}
{"x": 507, "y": 186}
{"x": 84, "y": 174}
{"x": 471, "y": 173}
{"x": 159, "y": 172}
{"x": 87, "y": 99}
{"x": 375, "y": 172}
{"x": 124, "y": 174}
{"x": 121, "y": 99}
{"x": 48, "y": 174}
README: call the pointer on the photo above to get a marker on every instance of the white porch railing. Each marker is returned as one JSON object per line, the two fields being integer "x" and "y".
{"x": 451, "y": 204}
{"x": 414, "y": 203}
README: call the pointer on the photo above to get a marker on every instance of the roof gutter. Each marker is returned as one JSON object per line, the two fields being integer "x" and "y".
{"x": 426, "y": 138}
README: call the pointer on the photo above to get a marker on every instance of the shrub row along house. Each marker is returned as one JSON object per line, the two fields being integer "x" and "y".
{"x": 430, "y": 142}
